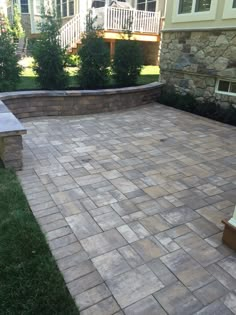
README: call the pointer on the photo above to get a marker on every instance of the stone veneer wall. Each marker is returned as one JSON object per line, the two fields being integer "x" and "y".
{"x": 192, "y": 61}
{"x": 62, "y": 103}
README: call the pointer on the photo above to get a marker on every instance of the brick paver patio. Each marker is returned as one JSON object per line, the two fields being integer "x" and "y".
{"x": 131, "y": 204}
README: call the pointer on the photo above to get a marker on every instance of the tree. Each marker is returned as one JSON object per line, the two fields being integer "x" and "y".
{"x": 49, "y": 56}
{"x": 128, "y": 59}
{"x": 9, "y": 67}
{"x": 16, "y": 26}
{"x": 94, "y": 58}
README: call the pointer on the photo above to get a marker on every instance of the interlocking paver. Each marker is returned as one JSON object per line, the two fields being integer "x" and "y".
{"x": 141, "y": 193}
{"x": 177, "y": 300}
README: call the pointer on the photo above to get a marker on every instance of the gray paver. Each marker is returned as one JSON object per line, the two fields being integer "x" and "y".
{"x": 101, "y": 243}
{"x": 216, "y": 308}
{"x": 92, "y": 296}
{"x": 147, "y": 306}
{"x": 134, "y": 285}
{"x": 110, "y": 265}
{"x": 177, "y": 300}
{"x": 83, "y": 225}
{"x": 210, "y": 292}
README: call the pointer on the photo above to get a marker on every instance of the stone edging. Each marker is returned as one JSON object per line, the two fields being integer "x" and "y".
{"x": 24, "y": 104}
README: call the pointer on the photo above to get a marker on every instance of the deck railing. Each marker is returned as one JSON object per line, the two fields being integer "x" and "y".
{"x": 70, "y": 32}
{"x": 113, "y": 19}
{"x": 118, "y": 19}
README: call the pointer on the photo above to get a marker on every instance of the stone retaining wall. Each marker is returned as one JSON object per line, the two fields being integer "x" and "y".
{"x": 60, "y": 103}
{"x": 63, "y": 103}
{"x": 192, "y": 61}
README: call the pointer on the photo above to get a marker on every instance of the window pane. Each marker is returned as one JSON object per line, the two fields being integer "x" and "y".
{"x": 58, "y": 8}
{"x": 141, "y": 6}
{"x": 234, "y": 4}
{"x": 24, "y": 9}
{"x": 224, "y": 86}
{"x": 203, "y": 5}
{"x": 64, "y": 9}
{"x": 151, "y": 6}
{"x": 98, "y": 3}
{"x": 71, "y": 8}
{"x": 233, "y": 87}
{"x": 185, "y": 6}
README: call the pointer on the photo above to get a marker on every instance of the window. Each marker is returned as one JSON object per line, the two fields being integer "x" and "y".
{"x": 225, "y": 86}
{"x": 190, "y": 6}
{"x": 234, "y": 4}
{"x": 146, "y": 5}
{"x": 24, "y": 6}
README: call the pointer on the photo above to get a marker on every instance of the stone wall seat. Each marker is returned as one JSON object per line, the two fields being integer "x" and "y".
{"x": 11, "y": 131}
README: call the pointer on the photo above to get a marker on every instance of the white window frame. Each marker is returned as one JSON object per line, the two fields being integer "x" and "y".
{"x": 194, "y": 16}
{"x": 229, "y": 12}
{"x": 222, "y": 92}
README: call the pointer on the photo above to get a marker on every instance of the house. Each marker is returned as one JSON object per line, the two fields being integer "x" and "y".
{"x": 198, "y": 52}
{"x": 112, "y": 16}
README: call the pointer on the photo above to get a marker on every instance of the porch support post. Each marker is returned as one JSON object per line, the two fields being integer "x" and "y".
{"x": 112, "y": 48}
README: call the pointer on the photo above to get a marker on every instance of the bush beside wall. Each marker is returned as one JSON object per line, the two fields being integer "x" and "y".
{"x": 188, "y": 103}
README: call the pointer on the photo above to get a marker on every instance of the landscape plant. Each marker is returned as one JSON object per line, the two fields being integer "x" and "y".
{"x": 9, "y": 68}
{"x": 49, "y": 57}
{"x": 94, "y": 57}
{"x": 128, "y": 60}
{"x": 188, "y": 102}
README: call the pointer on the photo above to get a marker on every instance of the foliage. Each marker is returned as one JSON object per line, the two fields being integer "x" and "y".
{"x": 127, "y": 63}
{"x": 16, "y": 26}
{"x": 94, "y": 58}
{"x": 49, "y": 56}
{"x": 187, "y": 102}
{"x": 30, "y": 280}
{"x": 9, "y": 68}
{"x": 72, "y": 60}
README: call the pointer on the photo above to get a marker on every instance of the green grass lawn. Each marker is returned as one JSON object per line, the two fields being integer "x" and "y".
{"x": 30, "y": 282}
{"x": 28, "y": 80}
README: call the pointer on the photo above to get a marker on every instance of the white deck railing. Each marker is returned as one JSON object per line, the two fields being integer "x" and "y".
{"x": 70, "y": 32}
{"x": 113, "y": 19}
{"x": 118, "y": 19}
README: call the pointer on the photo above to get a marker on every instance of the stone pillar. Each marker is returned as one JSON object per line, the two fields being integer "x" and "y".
{"x": 11, "y": 152}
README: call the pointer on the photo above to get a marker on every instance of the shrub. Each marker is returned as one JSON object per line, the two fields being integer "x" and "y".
{"x": 127, "y": 63}
{"x": 49, "y": 56}
{"x": 94, "y": 58}
{"x": 9, "y": 68}
{"x": 72, "y": 60}
{"x": 188, "y": 103}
